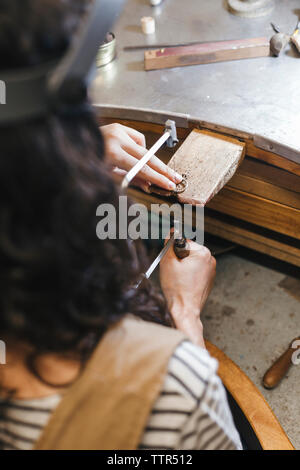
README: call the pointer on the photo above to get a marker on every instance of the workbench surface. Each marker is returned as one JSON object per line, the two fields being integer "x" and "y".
{"x": 257, "y": 96}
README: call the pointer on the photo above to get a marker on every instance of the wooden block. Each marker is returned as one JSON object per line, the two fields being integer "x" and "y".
{"x": 209, "y": 161}
{"x": 207, "y": 53}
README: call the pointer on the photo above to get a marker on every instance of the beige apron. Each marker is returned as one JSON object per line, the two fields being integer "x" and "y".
{"x": 109, "y": 404}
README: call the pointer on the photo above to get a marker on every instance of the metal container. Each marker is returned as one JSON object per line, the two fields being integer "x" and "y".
{"x": 107, "y": 51}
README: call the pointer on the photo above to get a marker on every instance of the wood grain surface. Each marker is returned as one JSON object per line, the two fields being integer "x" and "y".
{"x": 209, "y": 161}
{"x": 206, "y": 53}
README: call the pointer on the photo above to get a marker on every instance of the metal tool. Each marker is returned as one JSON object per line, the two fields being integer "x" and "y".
{"x": 180, "y": 244}
{"x": 156, "y": 261}
{"x": 181, "y": 250}
{"x": 280, "y": 40}
{"x": 295, "y": 38}
{"x": 164, "y": 45}
{"x": 169, "y": 137}
{"x": 180, "y": 247}
{"x": 280, "y": 368}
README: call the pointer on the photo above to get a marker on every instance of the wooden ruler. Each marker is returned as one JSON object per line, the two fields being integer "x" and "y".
{"x": 206, "y": 53}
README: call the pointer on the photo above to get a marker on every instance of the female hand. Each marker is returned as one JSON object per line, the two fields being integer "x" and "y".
{"x": 125, "y": 146}
{"x": 186, "y": 285}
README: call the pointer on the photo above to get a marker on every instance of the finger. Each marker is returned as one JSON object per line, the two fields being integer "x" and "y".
{"x": 199, "y": 249}
{"x": 155, "y": 163}
{"x": 170, "y": 255}
{"x": 127, "y": 161}
{"x": 138, "y": 137}
{"x": 169, "y": 236}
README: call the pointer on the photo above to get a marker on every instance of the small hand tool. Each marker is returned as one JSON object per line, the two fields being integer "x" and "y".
{"x": 177, "y": 239}
{"x": 156, "y": 261}
{"x": 181, "y": 250}
{"x": 180, "y": 245}
{"x": 280, "y": 368}
{"x": 295, "y": 38}
{"x": 163, "y": 45}
{"x": 280, "y": 40}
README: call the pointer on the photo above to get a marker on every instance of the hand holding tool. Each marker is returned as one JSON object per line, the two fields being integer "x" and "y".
{"x": 169, "y": 137}
{"x": 156, "y": 262}
{"x": 279, "y": 369}
{"x": 181, "y": 250}
{"x": 206, "y": 161}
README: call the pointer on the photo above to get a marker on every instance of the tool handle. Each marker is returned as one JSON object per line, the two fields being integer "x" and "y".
{"x": 181, "y": 248}
{"x": 279, "y": 369}
{"x": 295, "y": 38}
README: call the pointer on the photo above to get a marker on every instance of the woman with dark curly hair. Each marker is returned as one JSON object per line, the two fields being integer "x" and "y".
{"x": 89, "y": 363}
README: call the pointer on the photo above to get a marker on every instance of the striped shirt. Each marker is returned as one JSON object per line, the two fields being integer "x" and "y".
{"x": 190, "y": 413}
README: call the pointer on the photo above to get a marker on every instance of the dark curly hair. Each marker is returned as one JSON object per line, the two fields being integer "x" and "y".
{"x": 61, "y": 287}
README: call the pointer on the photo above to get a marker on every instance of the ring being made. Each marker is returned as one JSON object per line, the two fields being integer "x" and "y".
{"x": 181, "y": 187}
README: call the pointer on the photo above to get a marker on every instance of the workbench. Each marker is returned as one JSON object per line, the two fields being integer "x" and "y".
{"x": 256, "y": 100}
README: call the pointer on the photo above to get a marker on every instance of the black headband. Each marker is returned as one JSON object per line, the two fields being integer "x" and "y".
{"x": 33, "y": 91}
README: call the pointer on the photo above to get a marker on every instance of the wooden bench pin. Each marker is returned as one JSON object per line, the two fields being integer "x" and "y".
{"x": 207, "y": 161}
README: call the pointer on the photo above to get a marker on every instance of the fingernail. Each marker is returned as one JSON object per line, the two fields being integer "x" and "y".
{"x": 172, "y": 186}
{"x": 178, "y": 178}
{"x": 146, "y": 188}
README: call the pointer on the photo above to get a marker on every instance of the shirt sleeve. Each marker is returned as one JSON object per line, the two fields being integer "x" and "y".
{"x": 192, "y": 411}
